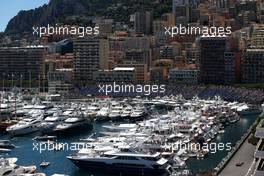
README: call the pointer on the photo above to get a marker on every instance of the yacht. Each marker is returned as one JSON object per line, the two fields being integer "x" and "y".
{"x": 91, "y": 111}
{"x": 102, "y": 114}
{"x": 115, "y": 113}
{"x": 25, "y": 126}
{"x": 127, "y": 112}
{"x": 125, "y": 161}
{"x": 5, "y": 124}
{"x": 50, "y": 123}
{"x": 6, "y": 144}
{"x": 8, "y": 167}
{"x": 137, "y": 114}
{"x": 121, "y": 127}
{"x": 71, "y": 124}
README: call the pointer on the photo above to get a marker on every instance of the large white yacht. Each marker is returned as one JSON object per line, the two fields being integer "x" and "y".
{"x": 126, "y": 112}
{"x": 137, "y": 114}
{"x": 102, "y": 114}
{"x": 124, "y": 161}
{"x": 25, "y": 126}
{"x": 8, "y": 167}
{"x": 50, "y": 123}
{"x": 71, "y": 124}
{"x": 120, "y": 127}
{"x": 115, "y": 112}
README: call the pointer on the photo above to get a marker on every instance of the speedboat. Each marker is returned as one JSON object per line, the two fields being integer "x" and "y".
{"x": 125, "y": 161}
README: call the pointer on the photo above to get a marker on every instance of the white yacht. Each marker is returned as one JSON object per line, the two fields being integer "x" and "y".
{"x": 8, "y": 167}
{"x": 127, "y": 112}
{"x": 137, "y": 114}
{"x": 91, "y": 111}
{"x": 115, "y": 113}
{"x": 125, "y": 161}
{"x": 102, "y": 114}
{"x": 71, "y": 124}
{"x": 120, "y": 127}
{"x": 50, "y": 123}
{"x": 25, "y": 126}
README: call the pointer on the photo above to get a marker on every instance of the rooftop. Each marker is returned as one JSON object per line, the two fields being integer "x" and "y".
{"x": 124, "y": 69}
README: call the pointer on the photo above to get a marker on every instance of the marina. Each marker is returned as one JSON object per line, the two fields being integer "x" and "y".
{"x": 166, "y": 135}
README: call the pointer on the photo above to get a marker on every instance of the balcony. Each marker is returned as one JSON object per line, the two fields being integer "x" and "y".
{"x": 259, "y": 153}
{"x": 260, "y": 130}
{"x": 259, "y": 168}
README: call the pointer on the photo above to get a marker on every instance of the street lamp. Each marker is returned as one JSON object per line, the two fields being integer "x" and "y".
{"x": 21, "y": 79}
{"x": 12, "y": 80}
{"x": 3, "y": 83}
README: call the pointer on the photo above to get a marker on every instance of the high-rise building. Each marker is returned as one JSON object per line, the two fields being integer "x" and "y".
{"x": 137, "y": 56}
{"x": 176, "y": 3}
{"x": 183, "y": 76}
{"x": 192, "y": 56}
{"x": 86, "y": 59}
{"x": 232, "y": 67}
{"x": 169, "y": 19}
{"x": 118, "y": 74}
{"x": 141, "y": 70}
{"x": 170, "y": 51}
{"x": 257, "y": 36}
{"x": 22, "y": 63}
{"x": 212, "y": 62}
{"x": 104, "y": 53}
{"x": 253, "y": 66}
{"x": 158, "y": 25}
{"x": 143, "y": 22}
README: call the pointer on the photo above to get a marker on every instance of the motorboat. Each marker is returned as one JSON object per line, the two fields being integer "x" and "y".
{"x": 6, "y": 144}
{"x": 45, "y": 138}
{"x": 120, "y": 127}
{"x": 25, "y": 126}
{"x": 124, "y": 160}
{"x": 115, "y": 113}
{"x": 126, "y": 112}
{"x": 50, "y": 123}
{"x": 8, "y": 167}
{"x": 6, "y": 123}
{"x": 137, "y": 114}
{"x": 102, "y": 114}
{"x": 71, "y": 124}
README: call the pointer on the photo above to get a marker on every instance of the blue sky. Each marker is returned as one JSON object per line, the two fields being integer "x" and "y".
{"x": 9, "y": 8}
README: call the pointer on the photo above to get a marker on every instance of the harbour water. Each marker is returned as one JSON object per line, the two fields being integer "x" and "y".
{"x": 232, "y": 134}
{"x": 60, "y": 164}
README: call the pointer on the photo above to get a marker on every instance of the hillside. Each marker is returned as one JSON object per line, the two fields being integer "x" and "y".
{"x": 77, "y": 11}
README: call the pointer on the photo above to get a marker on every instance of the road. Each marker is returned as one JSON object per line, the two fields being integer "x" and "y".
{"x": 244, "y": 154}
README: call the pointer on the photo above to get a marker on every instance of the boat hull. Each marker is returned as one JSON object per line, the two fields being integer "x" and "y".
{"x": 72, "y": 130}
{"x": 120, "y": 169}
{"x": 23, "y": 131}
